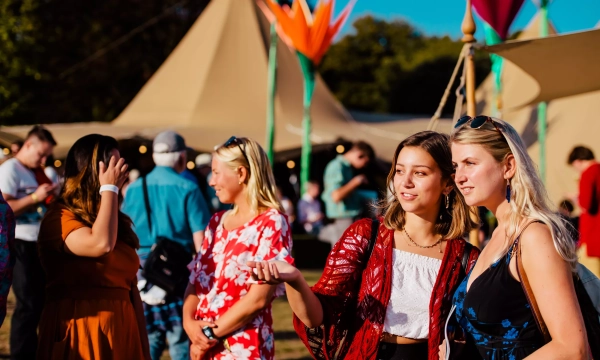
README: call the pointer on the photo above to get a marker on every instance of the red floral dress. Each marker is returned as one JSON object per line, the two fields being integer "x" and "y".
{"x": 221, "y": 278}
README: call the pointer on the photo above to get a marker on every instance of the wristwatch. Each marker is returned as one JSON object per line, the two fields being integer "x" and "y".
{"x": 209, "y": 333}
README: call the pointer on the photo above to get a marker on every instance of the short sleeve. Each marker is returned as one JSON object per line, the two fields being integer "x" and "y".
{"x": 9, "y": 179}
{"x": 275, "y": 243}
{"x": 55, "y": 227}
{"x": 197, "y": 210}
{"x": 197, "y": 273}
{"x": 333, "y": 178}
{"x": 69, "y": 223}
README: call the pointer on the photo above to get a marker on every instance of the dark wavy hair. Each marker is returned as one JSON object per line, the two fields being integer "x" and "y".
{"x": 455, "y": 221}
{"x": 80, "y": 193}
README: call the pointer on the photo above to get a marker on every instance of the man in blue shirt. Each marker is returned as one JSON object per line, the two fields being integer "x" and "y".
{"x": 179, "y": 213}
{"x": 343, "y": 200}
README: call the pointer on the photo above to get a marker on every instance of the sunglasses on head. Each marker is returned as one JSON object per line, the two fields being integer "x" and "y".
{"x": 476, "y": 122}
{"x": 235, "y": 141}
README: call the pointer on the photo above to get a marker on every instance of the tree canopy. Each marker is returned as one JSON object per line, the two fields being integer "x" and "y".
{"x": 391, "y": 67}
{"x": 44, "y": 42}
{"x": 383, "y": 66}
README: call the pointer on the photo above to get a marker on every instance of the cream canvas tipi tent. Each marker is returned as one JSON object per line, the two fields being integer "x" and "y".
{"x": 572, "y": 121}
{"x": 214, "y": 85}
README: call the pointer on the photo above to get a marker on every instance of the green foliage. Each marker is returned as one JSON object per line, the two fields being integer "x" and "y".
{"x": 42, "y": 40}
{"x": 18, "y": 48}
{"x": 392, "y": 67}
{"x": 385, "y": 66}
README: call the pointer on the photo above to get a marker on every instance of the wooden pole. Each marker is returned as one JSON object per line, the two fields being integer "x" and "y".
{"x": 468, "y": 29}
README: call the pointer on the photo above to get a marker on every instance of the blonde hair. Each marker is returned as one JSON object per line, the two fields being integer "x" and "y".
{"x": 455, "y": 221}
{"x": 529, "y": 199}
{"x": 260, "y": 182}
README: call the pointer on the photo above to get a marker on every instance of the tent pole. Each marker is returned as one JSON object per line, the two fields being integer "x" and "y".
{"x": 543, "y": 106}
{"x": 468, "y": 29}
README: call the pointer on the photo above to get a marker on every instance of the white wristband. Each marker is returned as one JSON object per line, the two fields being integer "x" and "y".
{"x": 112, "y": 188}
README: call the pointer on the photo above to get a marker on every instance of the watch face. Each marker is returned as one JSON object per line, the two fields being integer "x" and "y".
{"x": 208, "y": 332}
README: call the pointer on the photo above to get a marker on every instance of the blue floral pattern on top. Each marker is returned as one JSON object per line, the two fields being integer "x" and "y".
{"x": 496, "y": 315}
{"x": 7, "y": 262}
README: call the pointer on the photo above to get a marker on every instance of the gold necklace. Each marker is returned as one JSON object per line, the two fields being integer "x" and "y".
{"x": 439, "y": 242}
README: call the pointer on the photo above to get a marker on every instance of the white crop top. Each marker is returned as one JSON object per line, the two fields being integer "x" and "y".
{"x": 413, "y": 278}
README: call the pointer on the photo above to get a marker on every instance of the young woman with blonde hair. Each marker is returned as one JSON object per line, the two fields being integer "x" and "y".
{"x": 494, "y": 170}
{"x": 226, "y": 314}
{"x": 389, "y": 304}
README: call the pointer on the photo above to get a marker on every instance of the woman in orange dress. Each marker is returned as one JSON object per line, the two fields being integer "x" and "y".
{"x": 87, "y": 248}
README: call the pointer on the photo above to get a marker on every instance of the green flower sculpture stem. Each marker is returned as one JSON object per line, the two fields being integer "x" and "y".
{"x": 308, "y": 71}
{"x": 492, "y": 38}
{"x": 272, "y": 87}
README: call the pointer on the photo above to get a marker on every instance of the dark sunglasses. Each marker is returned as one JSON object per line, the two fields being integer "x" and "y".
{"x": 235, "y": 141}
{"x": 476, "y": 122}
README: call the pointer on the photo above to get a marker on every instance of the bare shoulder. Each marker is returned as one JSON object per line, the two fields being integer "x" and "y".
{"x": 537, "y": 235}
{"x": 537, "y": 248}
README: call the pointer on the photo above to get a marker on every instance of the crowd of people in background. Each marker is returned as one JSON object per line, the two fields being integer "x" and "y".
{"x": 109, "y": 263}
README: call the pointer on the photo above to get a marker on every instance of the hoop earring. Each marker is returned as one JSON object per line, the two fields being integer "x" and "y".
{"x": 508, "y": 190}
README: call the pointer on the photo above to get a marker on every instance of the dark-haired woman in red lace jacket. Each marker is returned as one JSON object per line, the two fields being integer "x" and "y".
{"x": 393, "y": 304}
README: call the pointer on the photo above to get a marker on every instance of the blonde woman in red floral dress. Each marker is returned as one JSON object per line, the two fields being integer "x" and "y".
{"x": 226, "y": 313}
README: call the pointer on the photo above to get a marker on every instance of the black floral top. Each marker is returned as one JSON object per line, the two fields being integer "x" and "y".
{"x": 496, "y": 315}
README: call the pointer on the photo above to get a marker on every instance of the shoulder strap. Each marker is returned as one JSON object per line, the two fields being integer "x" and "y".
{"x": 537, "y": 315}
{"x": 147, "y": 203}
{"x": 518, "y": 237}
{"x": 372, "y": 240}
{"x": 465, "y": 258}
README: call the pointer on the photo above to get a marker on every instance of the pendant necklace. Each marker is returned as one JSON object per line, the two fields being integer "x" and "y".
{"x": 439, "y": 242}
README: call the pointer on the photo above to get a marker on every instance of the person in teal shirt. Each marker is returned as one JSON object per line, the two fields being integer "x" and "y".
{"x": 343, "y": 200}
{"x": 180, "y": 214}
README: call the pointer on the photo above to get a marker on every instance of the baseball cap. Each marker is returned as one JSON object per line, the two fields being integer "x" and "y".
{"x": 168, "y": 142}
{"x": 203, "y": 159}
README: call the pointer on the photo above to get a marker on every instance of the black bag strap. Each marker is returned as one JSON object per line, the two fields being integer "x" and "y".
{"x": 372, "y": 240}
{"x": 147, "y": 203}
{"x": 465, "y": 258}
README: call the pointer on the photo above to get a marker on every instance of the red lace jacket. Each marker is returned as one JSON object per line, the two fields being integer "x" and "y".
{"x": 355, "y": 300}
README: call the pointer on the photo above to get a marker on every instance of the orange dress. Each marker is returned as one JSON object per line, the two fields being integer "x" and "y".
{"x": 88, "y": 312}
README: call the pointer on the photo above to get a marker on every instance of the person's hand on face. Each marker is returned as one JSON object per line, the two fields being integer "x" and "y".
{"x": 113, "y": 174}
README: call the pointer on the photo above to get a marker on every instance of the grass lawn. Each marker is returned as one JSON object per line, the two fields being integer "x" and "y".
{"x": 287, "y": 344}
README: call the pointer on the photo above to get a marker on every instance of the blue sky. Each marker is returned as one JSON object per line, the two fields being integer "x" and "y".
{"x": 443, "y": 17}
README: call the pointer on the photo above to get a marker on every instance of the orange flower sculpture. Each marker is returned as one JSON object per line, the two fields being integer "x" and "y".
{"x": 310, "y": 34}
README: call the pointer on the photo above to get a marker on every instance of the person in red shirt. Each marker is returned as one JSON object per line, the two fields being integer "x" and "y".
{"x": 582, "y": 159}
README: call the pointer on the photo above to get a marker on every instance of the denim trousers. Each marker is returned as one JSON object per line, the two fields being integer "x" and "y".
{"x": 179, "y": 345}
